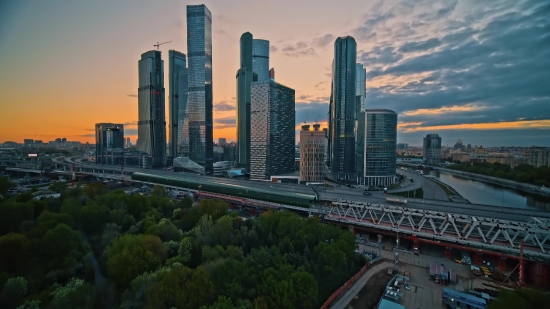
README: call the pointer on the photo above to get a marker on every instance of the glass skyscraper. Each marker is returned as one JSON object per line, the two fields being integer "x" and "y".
{"x": 199, "y": 100}
{"x": 108, "y": 137}
{"x": 360, "y": 95}
{"x": 245, "y": 77}
{"x": 432, "y": 149}
{"x": 179, "y": 127}
{"x": 342, "y": 113}
{"x": 260, "y": 58}
{"x": 151, "y": 109}
{"x": 380, "y": 143}
{"x": 272, "y": 140}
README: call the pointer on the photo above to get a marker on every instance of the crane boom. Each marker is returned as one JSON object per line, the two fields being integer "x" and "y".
{"x": 159, "y": 44}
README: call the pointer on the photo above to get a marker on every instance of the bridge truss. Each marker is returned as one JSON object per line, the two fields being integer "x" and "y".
{"x": 478, "y": 232}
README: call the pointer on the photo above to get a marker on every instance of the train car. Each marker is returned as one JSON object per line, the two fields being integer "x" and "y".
{"x": 215, "y": 186}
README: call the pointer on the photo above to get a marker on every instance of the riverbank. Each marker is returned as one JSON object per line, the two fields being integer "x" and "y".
{"x": 453, "y": 194}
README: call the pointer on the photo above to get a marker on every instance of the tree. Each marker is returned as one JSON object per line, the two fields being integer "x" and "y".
{"x": 5, "y": 186}
{"x": 63, "y": 246}
{"x": 95, "y": 189}
{"x": 13, "y": 214}
{"x": 215, "y": 208}
{"x": 59, "y": 186}
{"x": 519, "y": 299}
{"x": 13, "y": 292}
{"x": 14, "y": 251}
{"x": 93, "y": 217}
{"x": 181, "y": 288}
{"x": 75, "y": 294}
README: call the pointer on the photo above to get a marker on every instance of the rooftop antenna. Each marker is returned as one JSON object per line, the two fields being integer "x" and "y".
{"x": 316, "y": 120}
{"x": 159, "y": 44}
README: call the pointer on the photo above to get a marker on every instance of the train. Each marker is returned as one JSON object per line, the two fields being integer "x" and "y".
{"x": 216, "y": 186}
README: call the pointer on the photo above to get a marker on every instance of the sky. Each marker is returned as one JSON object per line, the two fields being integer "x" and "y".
{"x": 475, "y": 70}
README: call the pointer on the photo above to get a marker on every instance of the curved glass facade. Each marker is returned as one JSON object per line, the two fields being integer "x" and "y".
{"x": 380, "y": 143}
{"x": 260, "y": 59}
{"x": 432, "y": 149}
{"x": 179, "y": 126}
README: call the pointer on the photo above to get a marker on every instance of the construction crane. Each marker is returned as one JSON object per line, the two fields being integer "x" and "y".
{"x": 159, "y": 44}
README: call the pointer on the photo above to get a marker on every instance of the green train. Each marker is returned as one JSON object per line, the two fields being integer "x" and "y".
{"x": 215, "y": 186}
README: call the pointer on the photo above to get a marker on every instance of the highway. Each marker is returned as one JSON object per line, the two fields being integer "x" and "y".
{"x": 342, "y": 192}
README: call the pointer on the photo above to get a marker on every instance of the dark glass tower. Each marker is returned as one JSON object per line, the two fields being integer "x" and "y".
{"x": 245, "y": 77}
{"x": 343, "y": 110}
{"x": 360, "y": 94}
{"x": 179, "y": 127}
{"x": 108, "y": 137}
{"x": 273, "y": 119}
{"x": 199, "y": 100}
{"x": 151, "y": 109}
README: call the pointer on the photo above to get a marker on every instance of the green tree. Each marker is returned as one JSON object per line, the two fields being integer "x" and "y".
{"x": 137, "y": 205}
{"x": 63, "y": 246}
{"x": 95, "y": 189}
{"x": 181, "y": 288}
{"x": 214, "y": 208}
{"x": 13, "y": 292}
{"x": 5, "y": 186}
{"x": 520, "y": 298}
{"x": 71, "y": 207}
{"x": 59, "y": 186}
{"x": 13, "y": 214}
{"x": 93, "y": 217}
{"x": 14, "y": 252}
{"x": 75, "y": 294}
{"x": 48, "y": 220}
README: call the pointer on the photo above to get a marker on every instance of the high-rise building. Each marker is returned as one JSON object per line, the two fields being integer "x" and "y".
{"x": 128, "y": 143}
{"x": 379, "y": 149}
{"x": 222, "y": 141}
{"x": 151, "y": 108}
{"x": 245, "y": 77}
{"x": 272, "y": 126}
{"x": 402, "y": 146}
{"x": 272, "y": 73}
{"x": 109, "y": 139}
{"x": 177, "y": 99}
{"x": 343, "y": 110}
{"x": 360, "y": 95}
{"x": 312, "y": 154}
{"x": 260, "y": 58}
{"x": 28, "y": 142}
{"x": 199, "y": 99}
{"x": 432, "y": 149}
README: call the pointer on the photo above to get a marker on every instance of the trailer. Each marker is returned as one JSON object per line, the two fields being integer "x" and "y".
{"x": 434, "y": 269}
{"x": 396, "y": 200}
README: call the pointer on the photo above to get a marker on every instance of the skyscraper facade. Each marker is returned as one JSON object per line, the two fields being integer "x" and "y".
{"x": 343, "y": 110}
{"x": 151, "y": 109}
{"x": 379, "y": 149}
{"x": 199, "y": 99}
{"x": 312, "y": 154}
{"x": 245, "y": 77}
{"x": 109, "y": 137}
{"x": 260, "y": 58}
{"x": 432, "y": 149}
{"x": 360, "y": 95}
{"x": 272, "y": 126}
{"x": 179, "y": 126}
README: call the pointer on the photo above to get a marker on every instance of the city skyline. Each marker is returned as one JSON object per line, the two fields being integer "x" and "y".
{"x": 444, "y": 70}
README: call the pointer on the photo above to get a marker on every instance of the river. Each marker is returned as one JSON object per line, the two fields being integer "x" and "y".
{"x": 478, "y": 192}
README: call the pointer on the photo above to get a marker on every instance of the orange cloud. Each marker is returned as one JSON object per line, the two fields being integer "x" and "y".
{"x": 530, "y": 124}
{"x": 445, "y": 110}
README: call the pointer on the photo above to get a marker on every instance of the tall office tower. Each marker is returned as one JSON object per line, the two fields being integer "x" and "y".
{"x": 128, "y": 143}
{"x": 312, "y": 154}
{"x": 151, "y": 109}
{"x": 342, "y": 110}
{"x": 109, "y": 138}
{"x": 272, "y": 126}
{"x": 432, "y": 149}
{"x": 360, "y": 95}
{"x": 379, "y": 149}
{"x": 272, "y": 73}
{"x": 199, "y": 99}
{"x": 260, "y": 59}
{"x": 245, "y": 77}
{"x": 222, "y": 141}
{"x": 177, "y": 99}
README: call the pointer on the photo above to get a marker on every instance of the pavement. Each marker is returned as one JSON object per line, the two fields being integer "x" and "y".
{"x": 431, "y": 190}
{"x": 343, "y": 302}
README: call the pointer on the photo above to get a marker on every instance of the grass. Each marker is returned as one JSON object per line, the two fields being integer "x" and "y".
{"x": 444, "y": 187}
{"x": 419, "y": 193}
{"x": 394, "y": 186}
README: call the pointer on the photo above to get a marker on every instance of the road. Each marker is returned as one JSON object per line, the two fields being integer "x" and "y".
{"x": 431, "y": 190}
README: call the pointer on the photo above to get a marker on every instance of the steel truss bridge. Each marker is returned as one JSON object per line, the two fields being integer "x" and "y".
{"x": 476, "y": 232}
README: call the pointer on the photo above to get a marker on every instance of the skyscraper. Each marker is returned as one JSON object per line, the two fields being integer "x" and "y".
{"x": 360, "y": 95}
{"x": 109, "y": 137}
{"x": 151, "y": 109}
{"x": 245, "y": 77}
{"x": 379, "y": 149}
{"x": 179, "y": 127}
{"x": 272, "y": 126}
{"x": 312, "y": 154}
{"x": 432, "y": 149}
{"x": 260, "y": 58}
{"x": 199, "y": 99}
{"x": 343, "y": 110}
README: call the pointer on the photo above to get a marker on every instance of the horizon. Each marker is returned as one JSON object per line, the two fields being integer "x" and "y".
{"x": 443, "y": 66}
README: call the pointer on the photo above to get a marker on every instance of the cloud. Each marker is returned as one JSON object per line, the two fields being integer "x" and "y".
{"x": 324, "y": 40}
{"x": 273, "y": 48}
{"x": 130, "y": 124}
{"x": 420, "y": 46}
{"x": 300, "y": 49}
{"x": 224, "y": 106}
{"x": 132, "y": 95}
{"x": 227, "y": 120}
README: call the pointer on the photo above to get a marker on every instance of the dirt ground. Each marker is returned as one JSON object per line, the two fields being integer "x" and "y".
{"x": 370, "y": 294}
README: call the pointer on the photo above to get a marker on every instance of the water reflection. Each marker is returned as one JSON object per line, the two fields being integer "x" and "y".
{"x": 485, "y": 193}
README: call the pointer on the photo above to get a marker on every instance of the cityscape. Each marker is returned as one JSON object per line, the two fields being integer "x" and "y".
{"x": 369, "y": 172}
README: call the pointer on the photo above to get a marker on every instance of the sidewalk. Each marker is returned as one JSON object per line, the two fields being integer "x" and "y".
{"x": 343, "y": 301}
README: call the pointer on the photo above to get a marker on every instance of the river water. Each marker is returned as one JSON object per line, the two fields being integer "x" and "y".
{"x": 478, "y": 192}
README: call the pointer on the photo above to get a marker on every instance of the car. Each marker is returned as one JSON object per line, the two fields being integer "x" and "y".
{"x": 367, "y": 193}
{"x": 407, "y": 286}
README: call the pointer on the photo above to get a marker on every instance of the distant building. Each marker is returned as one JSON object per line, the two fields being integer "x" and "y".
{"x": 480, "y": 150}
{"x": 432, "y": 149}
{"x": 199, "y": 98}
{"x": 272, "y": 130}
{"x": 312, "y": 154}
{"x": 109, "y": 142}
{"x": 360, "y": 95}
{"x": 222, "y": 141}
{"x": 221, "y": 168}
{"x": 128, "y": 143}
{"x": 538, "y": 157}
{"x": 342, "y": 110}
{"x": 380, "y": 157}
{"x": 28, "y": 142}
{"x": 402, "y": 146}
{"x": 177, "y": 100}
{"x": 461, "y": 157}
{"x": 151, "y": 109}
{"x": 459, "y": 145}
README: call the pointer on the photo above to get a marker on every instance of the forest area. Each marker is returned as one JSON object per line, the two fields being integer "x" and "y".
{"x": 95, "y": 248}
{"x": 525, "y": 173}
